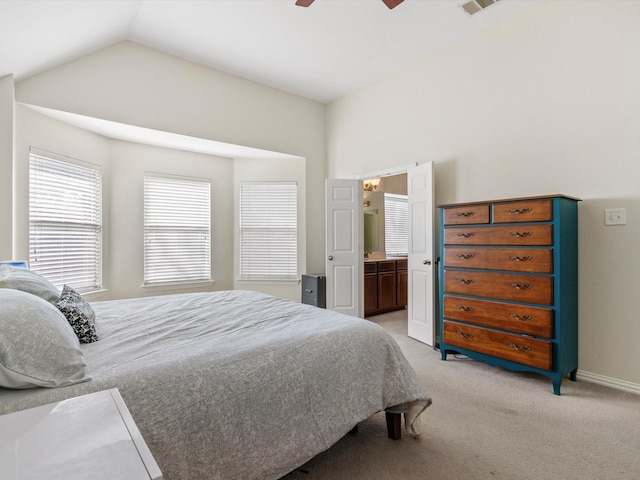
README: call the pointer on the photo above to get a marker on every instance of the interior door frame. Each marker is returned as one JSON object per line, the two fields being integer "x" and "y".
{"x": 387, "y": 172}
{"x": 432, "y": 335}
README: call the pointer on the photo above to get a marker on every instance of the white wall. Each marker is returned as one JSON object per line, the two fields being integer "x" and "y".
{"x": 129, "y": 162}
{"x": 135, "y": 85}
{"x": 545, "y": 102}
{"x": 293, "y": 170}
{"x": 44, "y": 133}
{"x": 124, "y": 165}
{"x": 6, "y": 164}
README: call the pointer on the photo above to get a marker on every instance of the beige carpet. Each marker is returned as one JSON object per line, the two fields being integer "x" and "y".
{"x": 489, "y": 423}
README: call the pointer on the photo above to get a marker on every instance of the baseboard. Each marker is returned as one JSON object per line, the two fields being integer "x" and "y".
{"x": 609, "y": 382}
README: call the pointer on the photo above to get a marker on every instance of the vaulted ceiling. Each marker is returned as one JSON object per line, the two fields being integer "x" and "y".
{"x": 322, "y": 52}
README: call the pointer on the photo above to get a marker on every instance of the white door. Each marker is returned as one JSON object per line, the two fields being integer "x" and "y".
{"x": 345, "y": 247}
{"x": 421, "y": 263}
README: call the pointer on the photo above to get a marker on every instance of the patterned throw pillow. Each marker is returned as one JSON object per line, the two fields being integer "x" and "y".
{"x": 79, "y": 314}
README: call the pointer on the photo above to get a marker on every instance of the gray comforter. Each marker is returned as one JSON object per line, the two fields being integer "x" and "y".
{"x": 237, "y": 384}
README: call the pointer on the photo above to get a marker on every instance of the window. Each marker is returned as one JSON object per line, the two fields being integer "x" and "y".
{"x": 268, "y": 231}
{"x": 396, "y": 225}
{"x": 177, "y": 230}
{"x": 65, "y": 221}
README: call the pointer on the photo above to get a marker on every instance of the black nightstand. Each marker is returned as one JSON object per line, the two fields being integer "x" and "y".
{"x": 314, "y": 290}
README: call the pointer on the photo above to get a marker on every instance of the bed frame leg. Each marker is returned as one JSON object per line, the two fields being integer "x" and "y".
{"x": 394, "y": 425}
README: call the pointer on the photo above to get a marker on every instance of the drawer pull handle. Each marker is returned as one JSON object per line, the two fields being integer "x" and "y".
{"x": 520, "y": 235}
{"x": 523, "y": 348}
{"x": 522, "y": 286}
{"x": 466, "y": 256}
{"x": 524, "y": 318}
{"x": 463, "y": 334}
{"x": 520, "y": 211}
{"x": 466, "y": 282}
{"x": 465, "y": 235}
{"x": 466, "y": 214}
{"x": 521, "y": 259}
{"x": 464, "y": 309}
{"x": 308, "y": 290}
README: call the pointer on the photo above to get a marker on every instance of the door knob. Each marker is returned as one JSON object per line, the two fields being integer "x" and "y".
{"x": 426, "y": 262}
{"x": 330, "y": 257}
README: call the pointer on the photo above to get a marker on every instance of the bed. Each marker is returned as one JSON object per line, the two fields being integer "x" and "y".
{"x": 238, "y": 384}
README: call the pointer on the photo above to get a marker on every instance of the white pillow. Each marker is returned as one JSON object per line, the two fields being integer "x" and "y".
{"x": 38, "y": 347}
{"x": 28, "y": 281}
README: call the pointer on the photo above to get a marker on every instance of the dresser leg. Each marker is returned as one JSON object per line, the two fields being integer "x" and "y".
{"x": 572, "y": 375}
{"x": 556, "y": 386}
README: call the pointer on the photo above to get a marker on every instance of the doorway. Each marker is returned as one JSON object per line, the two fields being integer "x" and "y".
{"x": 345, "y": 261}
{"x": 386, "y": 247}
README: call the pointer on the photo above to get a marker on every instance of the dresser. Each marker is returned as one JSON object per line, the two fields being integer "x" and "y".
{"x": 509, "y": 284}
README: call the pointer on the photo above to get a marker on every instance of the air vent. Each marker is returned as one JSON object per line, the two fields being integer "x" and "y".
{"x": 475, "y": 6}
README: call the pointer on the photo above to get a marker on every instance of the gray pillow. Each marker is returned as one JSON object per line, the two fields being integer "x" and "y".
{"x": 37, "y": 345}
{"x": 79, "y": 314}
{"x": 28, "y": 281}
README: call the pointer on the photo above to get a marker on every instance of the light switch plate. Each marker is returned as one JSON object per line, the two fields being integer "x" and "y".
{"x": 615, "y": 216}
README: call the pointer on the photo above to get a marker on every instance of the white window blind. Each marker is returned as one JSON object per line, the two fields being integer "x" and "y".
{"x": 268, "y": 231}
{"x": 65, "y": 221}
{"x": 396, "y": 224}
{"x": 177, "y": 230}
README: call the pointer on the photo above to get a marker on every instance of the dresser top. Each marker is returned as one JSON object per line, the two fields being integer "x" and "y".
{"x": 504, "y": 200}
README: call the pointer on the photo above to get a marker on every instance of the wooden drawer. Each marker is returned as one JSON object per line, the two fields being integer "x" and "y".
{"x": 534, "y": 260}
{"x": 502, "y": 235}
{"x": 506, "y": 316}
{"x": 466, "y": 215}
{"x": 401, "y": 264}
{"x": 387, "y": 266}
{"x": 370, "y": 267}
{"x": 517, "y": 348}
{"x": 529, "y": 211}
{"x": 504, "y": 286}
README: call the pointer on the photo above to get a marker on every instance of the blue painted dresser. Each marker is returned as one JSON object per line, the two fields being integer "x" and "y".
{"x": 509, "y": 284}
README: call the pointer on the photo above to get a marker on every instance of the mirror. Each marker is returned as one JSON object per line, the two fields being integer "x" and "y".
{"x": 373, "y": 222}
{"x": 376, "y": 243}
{"x": 370, "y": 231}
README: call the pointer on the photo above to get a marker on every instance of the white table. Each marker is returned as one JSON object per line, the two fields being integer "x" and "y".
{"x": 88, "y": 437}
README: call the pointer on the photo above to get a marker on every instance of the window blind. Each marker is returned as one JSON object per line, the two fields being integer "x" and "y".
{"x": 396, "y": 224}
{"x": 268, "y": 231}
{"x": 65, "y": 221}
{"x": 177, "y": 230}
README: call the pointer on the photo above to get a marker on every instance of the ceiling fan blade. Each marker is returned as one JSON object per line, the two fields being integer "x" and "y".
{"x": 388, "y": 3}
{"x": 392, "y": 3}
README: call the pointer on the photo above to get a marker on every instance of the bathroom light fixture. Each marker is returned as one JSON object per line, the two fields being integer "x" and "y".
{"x": 370, "y": 184}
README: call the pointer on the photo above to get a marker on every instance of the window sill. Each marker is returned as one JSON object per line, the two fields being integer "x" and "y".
{"x": 271, "y": 281}
{"x": 175, "y": 285}
{"x": 95, "y": 295}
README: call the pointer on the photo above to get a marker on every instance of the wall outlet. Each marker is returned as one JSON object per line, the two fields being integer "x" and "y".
{"x": 615, "y": 216}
